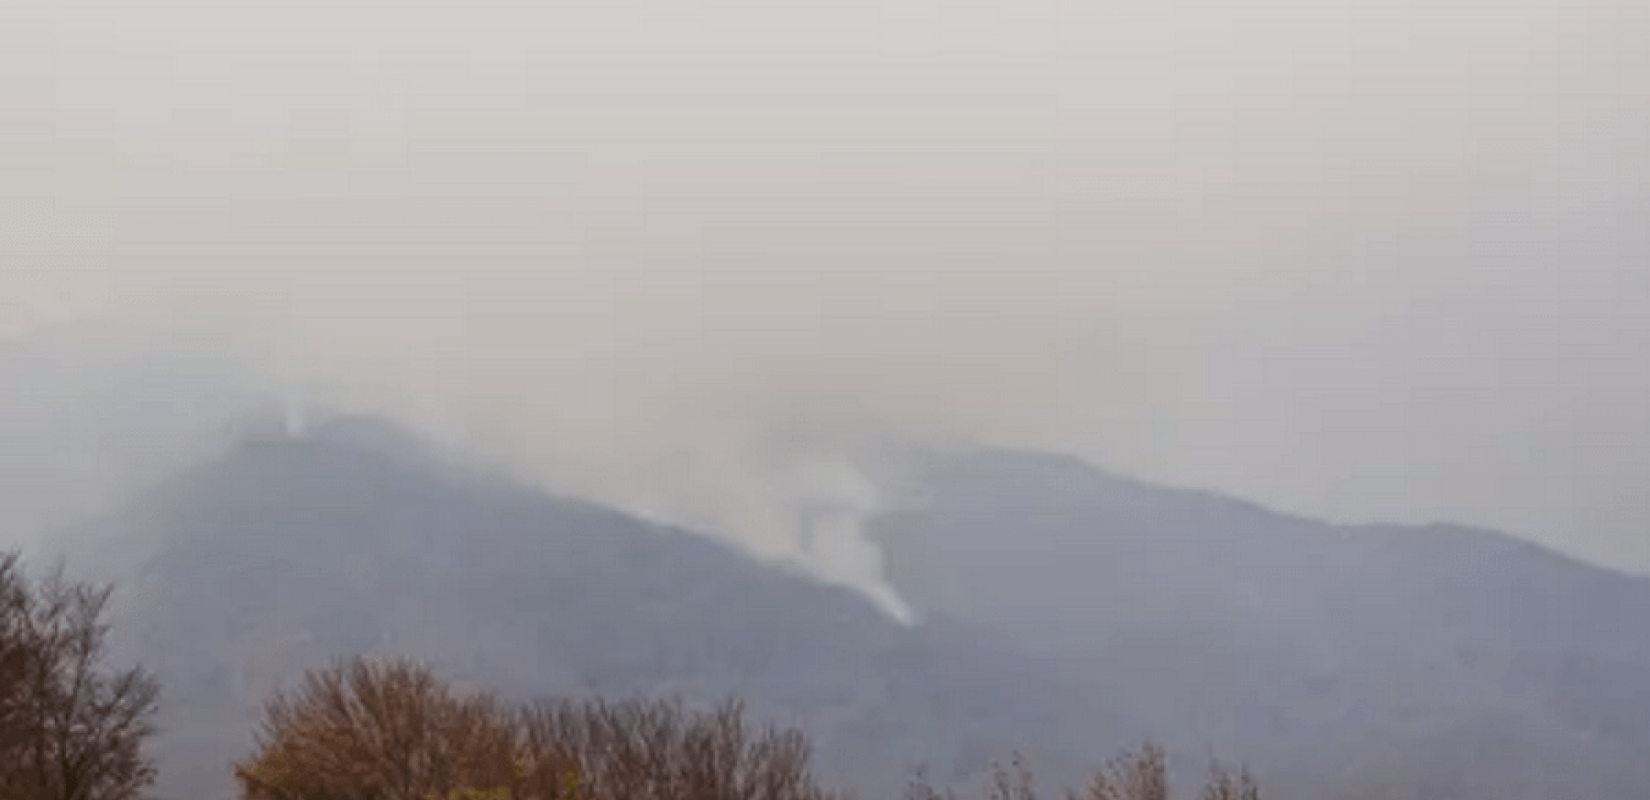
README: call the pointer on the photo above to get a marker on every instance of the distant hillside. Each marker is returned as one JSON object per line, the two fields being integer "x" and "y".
{"x": 285, "y": 553}
{"x": 1438, "y": 661}
{"x": 1068, "y": 612}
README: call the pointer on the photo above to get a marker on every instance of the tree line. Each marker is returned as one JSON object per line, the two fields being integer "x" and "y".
{"x": 75, "y": 727}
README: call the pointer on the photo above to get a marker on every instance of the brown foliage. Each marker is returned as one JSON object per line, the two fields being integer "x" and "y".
{"x": 372, "y": 730}
{"x": 392, "y": 730}
{"x": 70, "y": 728}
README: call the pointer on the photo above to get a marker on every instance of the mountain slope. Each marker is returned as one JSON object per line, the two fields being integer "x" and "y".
{"x": 1398, "y": 657}
{"x": 1067, "y": 611}
{"x": 289, "y": 552}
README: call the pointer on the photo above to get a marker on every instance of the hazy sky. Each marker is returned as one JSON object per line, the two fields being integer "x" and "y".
{"x": 1354, "y": 258}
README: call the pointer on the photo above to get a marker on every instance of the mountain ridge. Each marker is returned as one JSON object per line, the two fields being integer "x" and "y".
{"x": 1067, "y": 612}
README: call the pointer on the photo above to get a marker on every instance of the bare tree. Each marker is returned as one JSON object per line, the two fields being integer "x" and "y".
{"x": 1135, "y": 775}
{"x": 654, "y": 750}
{"x": 392, "y": 730}
{"x": 379, "y": 730}
{"x": 71, "y": 728}
{"x": 1138, "y": 775}
{"x": 1225, "y": 784}
{"x": 15, "y": 654}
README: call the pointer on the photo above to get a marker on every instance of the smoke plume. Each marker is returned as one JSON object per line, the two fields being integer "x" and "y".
{"x": 1363, "y": 260}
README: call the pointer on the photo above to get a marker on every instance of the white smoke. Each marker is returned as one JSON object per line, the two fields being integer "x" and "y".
{"x": 296, "y": 421}
{"x": 294, "y": 414}
{"x": 619, "y": 251}
{"x": 834, "y": 499}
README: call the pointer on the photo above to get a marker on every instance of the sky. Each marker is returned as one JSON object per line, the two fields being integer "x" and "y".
{"x": 1354, "y": 259}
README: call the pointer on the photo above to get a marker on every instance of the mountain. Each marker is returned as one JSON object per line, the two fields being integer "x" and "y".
{"x": 1346, "y": 660}
{"x": 288, "y": 552}
{"x": 1066, "y": 612}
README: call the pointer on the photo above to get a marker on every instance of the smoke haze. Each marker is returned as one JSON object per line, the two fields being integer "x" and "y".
{"x": 1355, "y": 259}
